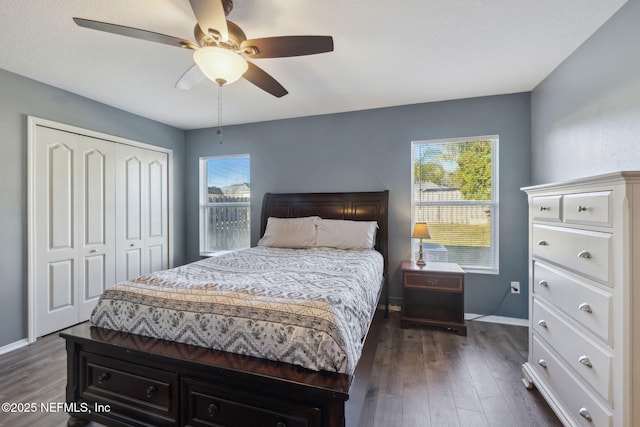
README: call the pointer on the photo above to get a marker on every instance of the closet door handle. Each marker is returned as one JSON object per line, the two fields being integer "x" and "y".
{"x": 542, "y": 323}
{"x": 542, "y": 363}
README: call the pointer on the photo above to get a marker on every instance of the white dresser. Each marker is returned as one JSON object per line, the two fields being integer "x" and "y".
{"x": 584, "y": 299}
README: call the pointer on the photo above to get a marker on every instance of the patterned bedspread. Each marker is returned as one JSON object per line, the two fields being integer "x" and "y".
{"x": 309, "y": 307}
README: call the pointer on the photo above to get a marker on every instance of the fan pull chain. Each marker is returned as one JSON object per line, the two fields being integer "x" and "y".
{"x": 219, "y": 132}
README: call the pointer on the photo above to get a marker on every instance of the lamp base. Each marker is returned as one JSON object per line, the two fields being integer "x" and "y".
{"x": 420, "y": 262}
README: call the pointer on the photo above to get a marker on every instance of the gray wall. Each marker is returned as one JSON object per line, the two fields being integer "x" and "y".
{"x": 19, "y": 98}
{"x": 586, "y": 114}
{"x": 370, "y": 150}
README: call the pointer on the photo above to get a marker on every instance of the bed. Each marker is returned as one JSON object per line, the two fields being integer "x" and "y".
{"x": 135, "y": 378}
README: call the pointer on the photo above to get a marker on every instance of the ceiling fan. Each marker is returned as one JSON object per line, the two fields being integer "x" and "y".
{"x": 221, "y": 48}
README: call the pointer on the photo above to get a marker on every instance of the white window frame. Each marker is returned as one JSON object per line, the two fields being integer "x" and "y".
{"x": 493, "y": 203}
{"x": 204, "y": 202}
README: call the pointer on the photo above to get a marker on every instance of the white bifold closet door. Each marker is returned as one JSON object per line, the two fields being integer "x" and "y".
{"x": 100, "y": 216}
{"x": 141, "y": 214}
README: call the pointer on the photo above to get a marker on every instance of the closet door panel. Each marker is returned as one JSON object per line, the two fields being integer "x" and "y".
{"x": 96, "y": 222}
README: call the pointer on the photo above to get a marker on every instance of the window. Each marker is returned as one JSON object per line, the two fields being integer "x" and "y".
{"x": 454, "y": 190}
{"x": 224, "y": 204}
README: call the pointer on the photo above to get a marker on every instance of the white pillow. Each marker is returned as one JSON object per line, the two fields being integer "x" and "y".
{"x": 290, "y": 232}
{"x": 344, "y": 234}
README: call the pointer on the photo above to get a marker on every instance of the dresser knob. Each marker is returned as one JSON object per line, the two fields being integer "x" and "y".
{"x": 584, "y": 254}
{"x": 545, "y": 208}
{"x": 151, "y": 390}
{"x": 543, "y": 283}
{"x": 212, "y": 410}
{"x": 542, "y": 243}
{"x": 585, "y": 307}
{"x": 585, "y": 361}
{"x": 584, "y": 413}
{"x": 542, "y": 323}
{"x": 103, "y": 377}
{"x": 582, "y": 208}
{"x": 542, "y": 363}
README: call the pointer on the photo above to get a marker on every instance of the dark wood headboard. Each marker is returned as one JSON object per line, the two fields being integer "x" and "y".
{"x": 357, "y": 206}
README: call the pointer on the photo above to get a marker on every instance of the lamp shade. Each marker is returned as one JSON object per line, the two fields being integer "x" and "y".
{"x": 420, "y": 231}
{"x": 219, "y": 64}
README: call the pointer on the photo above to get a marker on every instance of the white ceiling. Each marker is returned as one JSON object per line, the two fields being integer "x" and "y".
{"x": 386, "y": 53}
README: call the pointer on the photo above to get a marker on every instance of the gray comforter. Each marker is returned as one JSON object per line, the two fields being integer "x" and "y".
{"x": 309, "y": 307}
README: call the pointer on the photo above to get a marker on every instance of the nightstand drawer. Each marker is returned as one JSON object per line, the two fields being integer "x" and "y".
{"x": 433, "y": 281}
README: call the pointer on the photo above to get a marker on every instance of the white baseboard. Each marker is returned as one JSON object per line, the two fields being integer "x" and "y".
{"x": 483, "y": 318}
{"x": 14, "y": 346}
{"x": 497, "y": 319}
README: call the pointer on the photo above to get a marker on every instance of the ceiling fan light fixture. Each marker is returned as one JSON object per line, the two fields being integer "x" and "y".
{"x": 219, "y": 64}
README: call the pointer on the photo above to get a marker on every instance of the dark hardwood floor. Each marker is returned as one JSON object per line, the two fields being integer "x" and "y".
{"x": 422, "y": 377}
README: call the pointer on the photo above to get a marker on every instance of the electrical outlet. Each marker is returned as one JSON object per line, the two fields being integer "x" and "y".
{"x": 515, "y": 287}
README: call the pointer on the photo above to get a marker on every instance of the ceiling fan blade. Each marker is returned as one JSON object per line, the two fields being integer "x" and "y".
{"x": 279, "y": 47}
{"x": 135, "y": 33}
{"x": 264, "y": 81}
{"x": 211, "y": 16}
{"x": 190, "y": 78}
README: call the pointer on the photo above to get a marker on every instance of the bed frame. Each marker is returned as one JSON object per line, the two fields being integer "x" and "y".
{"x": 122, "y": 379}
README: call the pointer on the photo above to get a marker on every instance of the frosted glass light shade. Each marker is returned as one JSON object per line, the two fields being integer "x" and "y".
{"x": 219, "y": 64}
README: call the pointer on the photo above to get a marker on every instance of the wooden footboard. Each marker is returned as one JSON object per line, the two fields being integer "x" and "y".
{"x": 117, "y": 378}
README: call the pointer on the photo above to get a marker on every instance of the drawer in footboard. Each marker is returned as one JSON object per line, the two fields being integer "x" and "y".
{"x": 212, "y": 405}
{"x": 129, "y": 390}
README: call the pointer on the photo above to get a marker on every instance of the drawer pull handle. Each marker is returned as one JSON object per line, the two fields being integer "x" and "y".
{"x": 585, "y": 361}
{"x": 542, "y": 243}
{"x": 151, "y": 390}
{"x": 212, "y": 410}
{"x": 542, "y": 323}
{"x": 584, "y": 413}
{"x": 545, "y": 208}
{"x": 281, "y": 424}
{"x": 542, "y": 363}
{"x": 585, "y": 307}
{"x": 543, "y": 283}
{"x": 582, "y": 208}
{"x": 584, "y": 254}
{"x": 103, "y": 377}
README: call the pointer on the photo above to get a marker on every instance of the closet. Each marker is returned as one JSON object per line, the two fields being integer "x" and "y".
{"x": 98, "y": 213}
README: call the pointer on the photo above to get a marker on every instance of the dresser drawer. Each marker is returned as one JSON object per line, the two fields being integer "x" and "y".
{"x": 588, "y": 208}
{"x": 569, "y": 389}
{"x": 546, "y": 207}
{"x": 129, "y": 389}
{"x": 586, "y": 252}
{"x": 216, "y": 405}
{"x": 588, "y": 359}
{"x": 589, "y": 306}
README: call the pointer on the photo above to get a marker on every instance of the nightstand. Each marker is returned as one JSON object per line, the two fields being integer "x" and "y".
{"x": 433, "y": 295}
